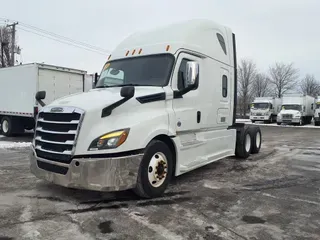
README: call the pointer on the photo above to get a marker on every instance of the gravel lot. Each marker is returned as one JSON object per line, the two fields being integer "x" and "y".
{"x": 272, "y": 195}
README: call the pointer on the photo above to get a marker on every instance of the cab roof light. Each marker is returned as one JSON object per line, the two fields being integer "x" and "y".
{"x": 127, "y": 53}
{"x": 140, "y": 50}
{"x": 133, "y": 52}
{"x": 109, "y": 57}
{"x": 168, "y": 47}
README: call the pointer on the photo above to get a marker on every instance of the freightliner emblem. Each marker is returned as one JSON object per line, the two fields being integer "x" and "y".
{"x": 56, "y": 109}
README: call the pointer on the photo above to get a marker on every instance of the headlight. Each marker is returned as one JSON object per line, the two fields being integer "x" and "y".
{"x": 110, "y": 140}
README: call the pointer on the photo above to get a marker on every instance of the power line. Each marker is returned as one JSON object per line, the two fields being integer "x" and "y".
{"x": 63, "y": 37}
{"x": 57, "y": 36}
{"x": 55, "y": 39}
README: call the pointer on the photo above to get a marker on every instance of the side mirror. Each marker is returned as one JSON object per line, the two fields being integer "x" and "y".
{"x": 96, "y": 78}
{"x": 127, "y": 92}
{"x": 192, "y": 78}
{"x": 40, "y": 95}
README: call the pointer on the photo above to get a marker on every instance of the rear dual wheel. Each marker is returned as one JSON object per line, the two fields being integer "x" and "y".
{"x": 249, "y": 140}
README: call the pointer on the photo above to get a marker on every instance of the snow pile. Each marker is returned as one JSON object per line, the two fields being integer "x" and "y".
{"x": 243, "y": 120}
{"x": 8, "y": 145}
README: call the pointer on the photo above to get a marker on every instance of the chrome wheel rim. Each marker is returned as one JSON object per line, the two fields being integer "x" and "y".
{"x": 258, "y": 139}
{"x": 5, "y": 126}
{"x": 248, "y": 142}
{"x": 157, "y": 169}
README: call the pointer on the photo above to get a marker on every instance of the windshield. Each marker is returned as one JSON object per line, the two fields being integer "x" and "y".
{"x": 260, "y": 105}
{"x": 152, "y": 70}
{"x": 291, "y": 107}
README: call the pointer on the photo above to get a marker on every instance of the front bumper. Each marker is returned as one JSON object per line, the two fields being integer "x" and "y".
{"x": 98, "y": 174}
{"x": 260, "y": 118}
{"x": 293, "y": 120}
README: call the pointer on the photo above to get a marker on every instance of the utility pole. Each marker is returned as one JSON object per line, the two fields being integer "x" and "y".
{"x": 13, "y": 40}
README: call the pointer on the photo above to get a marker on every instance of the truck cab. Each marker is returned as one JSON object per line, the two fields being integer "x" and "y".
{"x": 265, "y": 109}
{"x": 164, "y": 104}
{"x": 316, "y": 116}
{"x": 296, "y": 109}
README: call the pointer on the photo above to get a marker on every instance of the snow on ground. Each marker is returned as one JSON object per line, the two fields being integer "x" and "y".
{"x": 8, "y": 145}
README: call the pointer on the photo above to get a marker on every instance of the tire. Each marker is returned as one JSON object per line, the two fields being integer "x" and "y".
{"x": 148, "y": 185}
{"x": 253, "y": 121}
{"x": 317, "y": 123}
{"x": 301, "y": 122}
{"x": 6, "y": 126}
{"x": 243, "y": 144}
{"x": 278, "y": 123}
{"x": 256, "y": 139}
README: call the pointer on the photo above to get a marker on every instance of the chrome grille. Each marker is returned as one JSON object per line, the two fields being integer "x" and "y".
{"x": 287, "y": 116}
{"x": 56, "y": 133}
{"x": 259, "y": 114}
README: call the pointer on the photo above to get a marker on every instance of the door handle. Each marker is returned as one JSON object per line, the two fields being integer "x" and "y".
{"x": 198, "y": 116}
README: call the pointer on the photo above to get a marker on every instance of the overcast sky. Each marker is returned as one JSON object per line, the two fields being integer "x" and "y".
{"x": 267, "y": 31}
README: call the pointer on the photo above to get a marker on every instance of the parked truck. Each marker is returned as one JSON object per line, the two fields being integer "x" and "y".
{"x": 265, "y": 109}
{"x": 316, "y": 116}
{"x": 296, "y": 109}
{"x": 164, "y": 104}
{"x": 19, "y": 85}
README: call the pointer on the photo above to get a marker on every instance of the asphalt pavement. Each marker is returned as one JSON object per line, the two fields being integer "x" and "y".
{"x": 272, "y": 195}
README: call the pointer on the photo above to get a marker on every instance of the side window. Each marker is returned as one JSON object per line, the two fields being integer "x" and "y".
{"x": 182, "y": 73}
{"x": 311, "y": 106}
{"x": 225, "y": 86}
{"x": 271, "y": 107}
{"x": 222, "y": 43}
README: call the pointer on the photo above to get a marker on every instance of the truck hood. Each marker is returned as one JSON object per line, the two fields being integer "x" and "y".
{"x": 294, "y": 112}
{"x": 100, "y": 98}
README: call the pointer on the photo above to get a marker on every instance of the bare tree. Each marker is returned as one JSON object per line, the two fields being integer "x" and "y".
{"x": 310, "y": 86}
{"x": 246, "y": 74}
{"x": 283, "y": 77}
{"x": 5, "y": 43}
{"x": 260, "y": 85}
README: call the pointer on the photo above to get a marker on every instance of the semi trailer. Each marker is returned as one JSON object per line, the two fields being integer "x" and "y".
{"x": 265, "y": 109}
{"x": 20, "y": 83}
{"x": 164, "y": 104}
{"x": 296, "y": 109}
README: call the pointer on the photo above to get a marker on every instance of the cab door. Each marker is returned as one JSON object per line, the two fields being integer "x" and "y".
{"x": 187, "y": 108}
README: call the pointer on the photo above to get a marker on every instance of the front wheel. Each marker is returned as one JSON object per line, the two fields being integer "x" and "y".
{"x": 6, "y": 126}
{"x": 155, "y": 170}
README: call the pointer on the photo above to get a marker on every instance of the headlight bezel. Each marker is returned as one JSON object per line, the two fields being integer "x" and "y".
{"x": 118, "y": 136}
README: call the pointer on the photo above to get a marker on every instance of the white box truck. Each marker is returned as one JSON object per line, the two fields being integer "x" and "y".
{"x": 316, "y": 116}
{"x": 296, "y": 109}
{"x": 164, "y": 105}
{"x": 265, "y": 109}
{"x": 20, "y": 83}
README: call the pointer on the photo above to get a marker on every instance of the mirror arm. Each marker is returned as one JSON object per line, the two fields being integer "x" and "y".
{"x": 180, "y": 93}
{"x": 41, "y": 102}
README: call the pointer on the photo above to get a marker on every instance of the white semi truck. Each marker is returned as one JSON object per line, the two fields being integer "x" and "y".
{"x": 20, "y": 83}
{"x": 265, "y": 109}
{"x": 164, "y": 105}
{"x": 316, "y": 116}
{"x": 296, "y": 109}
